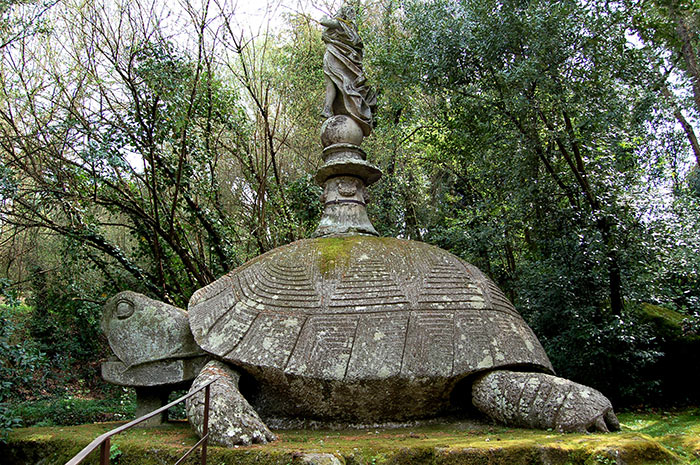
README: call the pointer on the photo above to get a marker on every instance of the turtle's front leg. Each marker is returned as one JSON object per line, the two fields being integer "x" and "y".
{"x": 537, "y": 400}
{"x": 232, "y": 420}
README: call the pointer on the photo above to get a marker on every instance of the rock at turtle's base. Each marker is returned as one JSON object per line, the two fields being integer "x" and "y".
{"x": 319, "y": 459}
{"x": 232, "y": 421}
{"x": 537, "y": 400}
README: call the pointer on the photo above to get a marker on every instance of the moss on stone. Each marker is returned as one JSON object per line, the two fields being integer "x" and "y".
{"x": 677, "y": 431}
{"x": 648, "y": 438}
{"x": 335, "y": 252}
{"x": 661, "y": 316}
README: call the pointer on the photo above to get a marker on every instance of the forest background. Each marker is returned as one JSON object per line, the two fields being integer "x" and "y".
{"x": 551, "y": 144}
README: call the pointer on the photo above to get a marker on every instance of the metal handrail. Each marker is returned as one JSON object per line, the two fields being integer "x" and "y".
{"x": 104, "y": 439}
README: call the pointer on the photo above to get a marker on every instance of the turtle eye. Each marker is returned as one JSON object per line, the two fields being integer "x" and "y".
{"x": 125, "y": 309}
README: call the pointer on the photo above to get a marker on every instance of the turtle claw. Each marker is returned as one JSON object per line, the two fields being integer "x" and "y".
{"x": 604, "y": 423}
{"x": 611, "y": 420}
{"x": 263, "y": 435}
{"x": 585, "y": 410}
{"x": 244, "y": 427}
{"x": 255, "y": 431}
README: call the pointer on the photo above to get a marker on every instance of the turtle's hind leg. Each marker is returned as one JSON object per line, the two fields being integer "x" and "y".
{"x": 232, "y": 420}
{"x": 537, "y": 400}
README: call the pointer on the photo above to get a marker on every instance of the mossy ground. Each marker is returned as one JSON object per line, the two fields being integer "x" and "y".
{"x": 646, "y": 438}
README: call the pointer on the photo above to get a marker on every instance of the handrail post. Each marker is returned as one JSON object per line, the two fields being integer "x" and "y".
{"x": 205, "y": 430}
{"x": 104, "y": 452}
{"x": 103, "y": 441}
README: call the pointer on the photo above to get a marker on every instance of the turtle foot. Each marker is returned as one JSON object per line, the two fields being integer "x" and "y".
{"x": 537, "y": 400}
{"x": 232, "y": 420}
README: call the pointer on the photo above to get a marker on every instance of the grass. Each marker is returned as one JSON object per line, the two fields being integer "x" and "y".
{"x": 646, "y": 438}
{"x": 679, "y": 432}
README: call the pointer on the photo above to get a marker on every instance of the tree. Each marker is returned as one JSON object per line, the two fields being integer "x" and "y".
{"x": 167, "y": 161}
{"x": 672, "y": 28}
{"x": 543, "y": 77}
{"x": 539, "y": 134}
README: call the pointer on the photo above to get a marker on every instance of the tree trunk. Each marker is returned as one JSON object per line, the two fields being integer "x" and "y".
{"x": 685, "y": 35}
{"x": 614, "y": 273}
{"x": 687, "y": 127}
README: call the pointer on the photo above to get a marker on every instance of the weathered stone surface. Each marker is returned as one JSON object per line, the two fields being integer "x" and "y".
{"x": 346, "y": 159}
{"x": 344, "y": 177}
{"x": 344, "y": 219}
{"x": 154, "y": 350}
{"x": 350, "y": 105}
{"x": 158, "y": 373}
{"x": 537, "y": 400}
{"x": 360, "y": 328}
{"x": 344, "y": 199}
{"x": 341, "y": 129}
{"x": 232, "y": 420}
{"x": 320, "y": 459}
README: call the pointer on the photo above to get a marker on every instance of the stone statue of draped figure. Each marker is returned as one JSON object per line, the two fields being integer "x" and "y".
{"x": 347, "y": 92}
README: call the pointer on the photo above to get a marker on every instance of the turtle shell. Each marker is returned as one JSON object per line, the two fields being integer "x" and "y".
{"x": 376, "y": 313}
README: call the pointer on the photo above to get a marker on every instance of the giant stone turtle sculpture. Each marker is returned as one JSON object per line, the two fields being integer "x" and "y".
{"x": 363, "y": 330}
{"x": 358, "y": 329}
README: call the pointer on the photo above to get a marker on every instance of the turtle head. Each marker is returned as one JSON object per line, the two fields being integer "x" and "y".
{"x": 140, "y": 329}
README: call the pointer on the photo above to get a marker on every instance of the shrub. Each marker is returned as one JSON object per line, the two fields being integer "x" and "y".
{"x": 71, "y": 410}
{"x": 8, "y": 421}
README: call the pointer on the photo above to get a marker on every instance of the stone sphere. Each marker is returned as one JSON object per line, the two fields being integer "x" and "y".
{"x": 341, "y": 129}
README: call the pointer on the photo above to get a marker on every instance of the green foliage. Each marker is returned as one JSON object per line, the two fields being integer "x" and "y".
{"x": 531, "y": 139}
{"x": 8, "y": 421}
{"x": 71, "y": 410}
{"x": 604, "y": 353}
{"x": 178, "y": 411}
{"x": 114, "y": 452}
{"x": 690, "y": 326}
{"x": 65, "y": 325}
{"x": 21, "y": 361}
{"x": 304, "y": 201}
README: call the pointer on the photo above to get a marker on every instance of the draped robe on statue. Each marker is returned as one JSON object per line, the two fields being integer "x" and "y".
{"x": 342, "y": 64}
